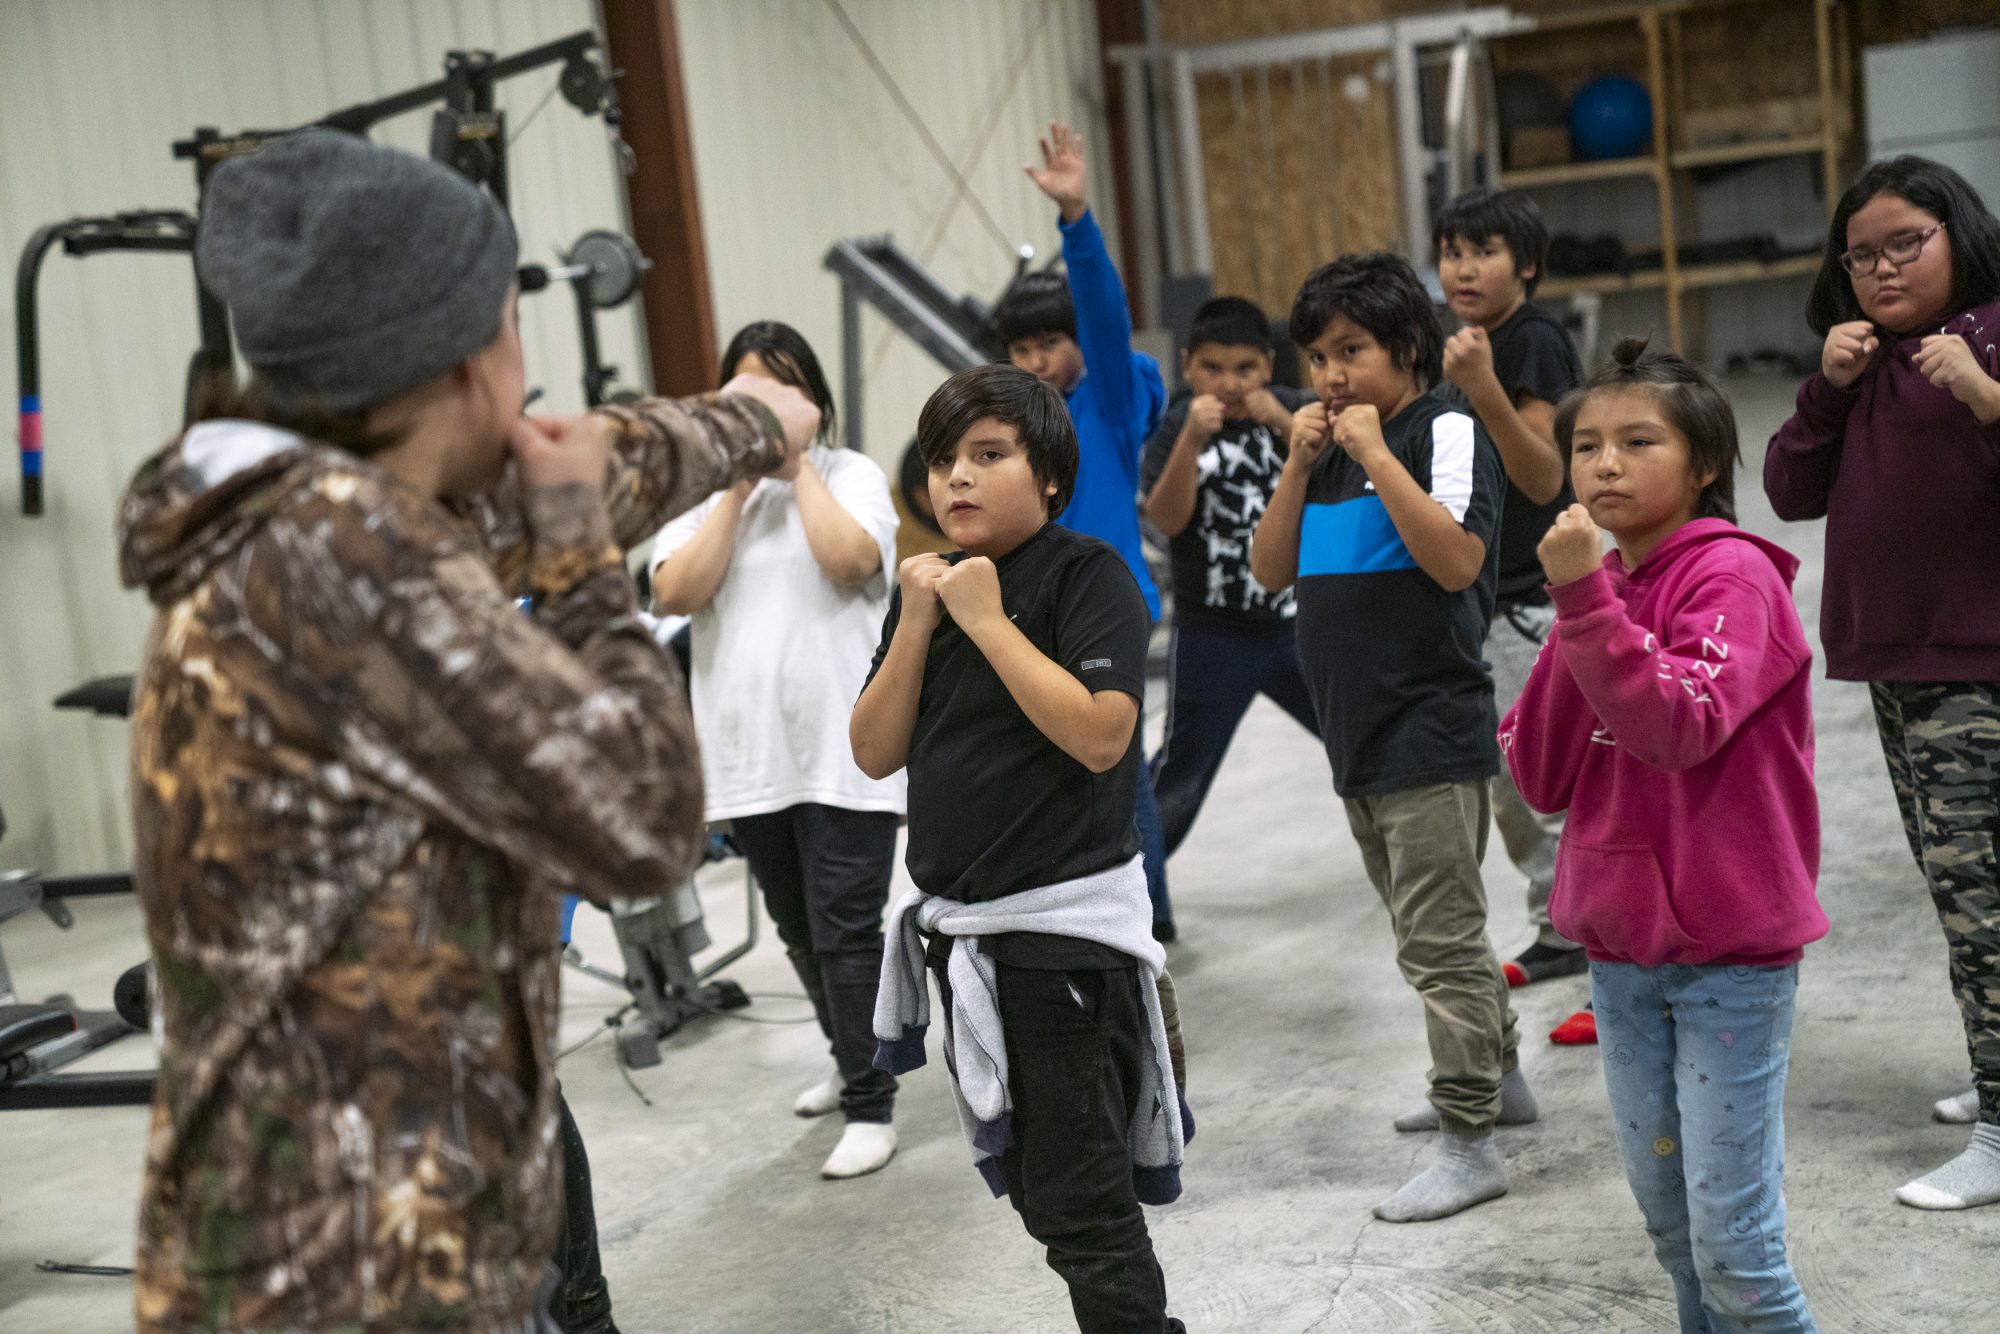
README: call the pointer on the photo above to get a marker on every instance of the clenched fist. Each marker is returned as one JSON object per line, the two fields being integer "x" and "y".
{"x": 918, "y": 578}
{"x": 1309, "y": 436}
{"x": 1849, "y": 349}
{"x": 1204, "y": 419}
{"x": 1358, "y": 430}
{"x": 1947, "y": 361}
{"x": 970, "y": 591}
{"x": 1572, "y": 547}
{"x": 1468, "y": 359}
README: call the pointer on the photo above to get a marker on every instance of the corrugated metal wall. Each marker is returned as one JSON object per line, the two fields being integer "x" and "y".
{"x": 800, "y": 141}
{"x": 92, "y": 94}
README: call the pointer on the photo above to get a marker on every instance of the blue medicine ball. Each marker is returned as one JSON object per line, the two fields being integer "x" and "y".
{"x": 1610, "y": 117}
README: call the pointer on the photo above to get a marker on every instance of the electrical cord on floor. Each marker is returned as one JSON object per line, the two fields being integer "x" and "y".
{"x": 88, "y": 1271}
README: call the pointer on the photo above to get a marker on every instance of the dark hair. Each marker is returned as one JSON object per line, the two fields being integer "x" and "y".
{"x": 1231, "y": 321}
{"x": 1938, "y": 191}
{"x": 1016, "y": 398}
{"x": 1485, "y": 212}
{"x": 1036, "y": 303}
{"x": 1694, "y": 405}
{"x": 790, "y": 358}
{"x": 913, "y": 479}
{"x": 216, "y": 395}
{"x": 1380, "y": 292}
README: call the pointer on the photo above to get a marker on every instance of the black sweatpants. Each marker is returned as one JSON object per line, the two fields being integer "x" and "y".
{"x": 825, "y": 875}
{"x": 1075, "y": 1040}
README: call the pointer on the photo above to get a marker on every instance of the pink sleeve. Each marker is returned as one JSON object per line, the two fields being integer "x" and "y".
{"x": 1674, "y": 698}
{"x": 1546, "y": 735}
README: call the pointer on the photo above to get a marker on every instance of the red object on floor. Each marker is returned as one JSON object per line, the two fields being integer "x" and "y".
{"x": 1516, "y": 975}
{"x": 1579, "y": 1030}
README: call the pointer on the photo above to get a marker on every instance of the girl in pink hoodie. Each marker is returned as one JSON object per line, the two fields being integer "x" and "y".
{"x": 1670, "y": 711}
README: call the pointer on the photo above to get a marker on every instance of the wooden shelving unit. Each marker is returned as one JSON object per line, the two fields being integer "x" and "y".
{"x": 1659, "y": 60}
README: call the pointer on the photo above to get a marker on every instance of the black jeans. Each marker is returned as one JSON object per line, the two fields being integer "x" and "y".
{"x": 583, "y": 1302}
{"x": 1216, "y": 676}
{"x": 825, "y": 874}
{"x": 1075, "y": 1040}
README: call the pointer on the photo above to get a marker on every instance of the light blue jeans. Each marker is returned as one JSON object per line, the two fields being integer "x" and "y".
{"x": 1695, "y": 1058}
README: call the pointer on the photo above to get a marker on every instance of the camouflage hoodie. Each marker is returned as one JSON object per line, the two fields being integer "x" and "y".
{"x": 360, "y": 778}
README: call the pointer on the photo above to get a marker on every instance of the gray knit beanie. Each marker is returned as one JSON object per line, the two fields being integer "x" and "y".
{"x": 352, "y": 272}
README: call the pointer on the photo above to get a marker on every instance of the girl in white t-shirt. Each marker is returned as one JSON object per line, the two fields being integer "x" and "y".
{"x": 787, "y": 580}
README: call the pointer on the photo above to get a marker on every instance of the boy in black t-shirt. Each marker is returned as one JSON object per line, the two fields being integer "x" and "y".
{"x": 1207, "y": 474}
{"x": 1511, "y": 363}
{"x": 1385, "y": 518}
{"x": 1008, "y": 681}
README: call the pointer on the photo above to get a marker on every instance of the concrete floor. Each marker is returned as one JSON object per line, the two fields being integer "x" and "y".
{"x": 1303, "y": 1043}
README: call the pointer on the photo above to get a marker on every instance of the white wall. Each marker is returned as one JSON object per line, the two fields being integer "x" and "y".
{"x": 92, "y": 93}
{"x": 799, "y": 144}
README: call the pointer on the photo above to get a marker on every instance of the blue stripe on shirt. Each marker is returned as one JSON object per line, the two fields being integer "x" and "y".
{"x": 1353, "y": 537}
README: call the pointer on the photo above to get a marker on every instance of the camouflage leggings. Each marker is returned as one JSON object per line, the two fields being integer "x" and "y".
{"x": 1942, "y": 742}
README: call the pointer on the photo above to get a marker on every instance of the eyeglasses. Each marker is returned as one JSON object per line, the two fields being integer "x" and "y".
{"x": 1901, "y": 248}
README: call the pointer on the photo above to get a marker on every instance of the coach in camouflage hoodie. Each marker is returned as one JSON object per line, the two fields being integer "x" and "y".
{"x": 361, "y": 776}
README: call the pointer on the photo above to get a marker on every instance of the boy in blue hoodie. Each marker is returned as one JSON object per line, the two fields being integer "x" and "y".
{"x": 1075, "y": 336}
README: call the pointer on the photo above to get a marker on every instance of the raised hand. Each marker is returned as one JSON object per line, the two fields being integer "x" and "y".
{"x": 796, "y": 414}
{"x": 1947, "y": 362}
{"x": 1062, "y": 176}
{"x": 1204, "y": 419}
{"x": 1849, "y": 349}
{"x": 970, "y": 591}
{"x": 918, "y": 578}
{"x": 1572, "y": 547}
{"x": 1265, "y": 409}
{"x": 578, "y": 451}
{"x": 1468, "y": 358}
{"x": 1357, "y": 429}
{"x": 1310, "y": 436}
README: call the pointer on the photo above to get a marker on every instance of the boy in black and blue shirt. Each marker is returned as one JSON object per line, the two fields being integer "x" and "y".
{"x": 1385, "y": 517}
{"x": 1207, "y": 474}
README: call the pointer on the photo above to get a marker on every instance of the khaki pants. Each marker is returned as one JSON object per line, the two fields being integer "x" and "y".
{"x": 1422, "y": 848}
{"x": 1529, "y": 836}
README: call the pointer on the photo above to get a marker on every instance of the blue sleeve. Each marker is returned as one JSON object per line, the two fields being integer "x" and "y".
{"x": 1104, "y": 329}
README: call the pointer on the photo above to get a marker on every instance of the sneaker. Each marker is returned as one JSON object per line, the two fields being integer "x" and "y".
{"x": 821, "y": 1098}
{"x": 1540, "y": 962}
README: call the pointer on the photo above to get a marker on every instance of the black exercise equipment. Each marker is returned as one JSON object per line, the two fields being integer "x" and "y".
{"x": 603, "y": 270}
{"x": 468, "y": 134}
{"x": 958, "y": 331}
{"x": 37, "y": 1040}
{"x": 165, "y": 230}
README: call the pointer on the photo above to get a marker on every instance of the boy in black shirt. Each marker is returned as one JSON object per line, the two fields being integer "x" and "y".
{"x": 1388, "y": 534}
{"x": 1207, "y": 474}
{"x": 1511, "y": 363}
{"x": 1008, "y": 680}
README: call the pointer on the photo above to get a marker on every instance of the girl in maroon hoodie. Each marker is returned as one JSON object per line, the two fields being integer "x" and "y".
{"x": 1670, "y": 711}
{"x": 1896, "y": 444}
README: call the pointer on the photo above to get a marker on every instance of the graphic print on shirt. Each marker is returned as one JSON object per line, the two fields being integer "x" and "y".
{"x": 1236, "y": 475}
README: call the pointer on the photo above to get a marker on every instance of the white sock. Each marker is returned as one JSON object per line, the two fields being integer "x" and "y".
{"x": 1966, "y": 1182}
{"x": 821, "y": 1098}
{"x": 865, "y": 1146}
{"x": 1960, "y": 1110}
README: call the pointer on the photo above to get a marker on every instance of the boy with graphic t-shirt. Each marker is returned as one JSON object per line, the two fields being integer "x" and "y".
{"x": 1207, "y": 474}
{"x": 1008, "y": 682}
{"x": 1510, "y": 364}
{"x": 1385, "y": 517}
